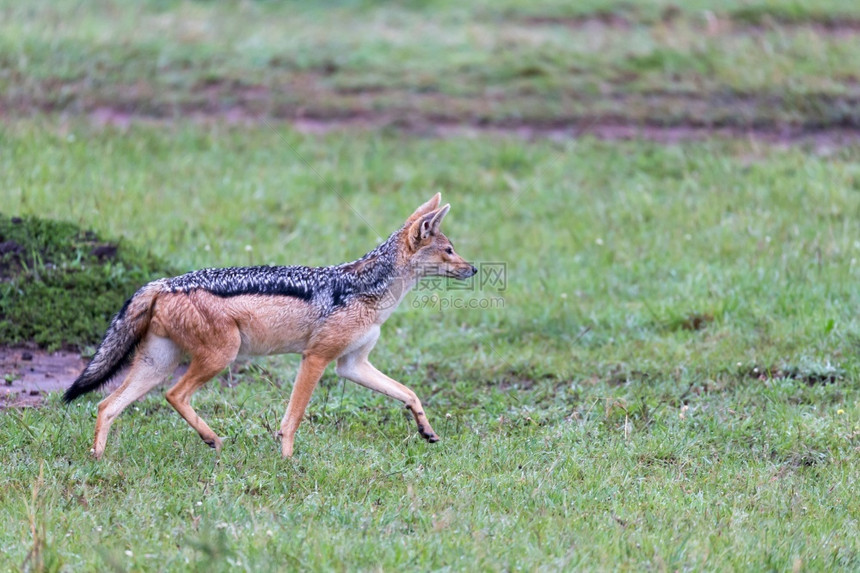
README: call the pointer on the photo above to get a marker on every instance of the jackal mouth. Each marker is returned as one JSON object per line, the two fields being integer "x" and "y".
{"x": 463, "y": 272}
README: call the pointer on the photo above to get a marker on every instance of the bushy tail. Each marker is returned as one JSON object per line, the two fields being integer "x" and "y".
{"x": 126, "y": 330}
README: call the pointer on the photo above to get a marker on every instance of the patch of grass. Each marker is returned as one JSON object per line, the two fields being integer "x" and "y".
{"x": 59, "y": 284}
{"x": 652, "y": 11}
{"x": 481, "y": 63}
{"x": 606, "y": 416}
{"x": 576, "y": 225}
{"x": 723, "y": 483}
{"x": 795, "y": 13}
{"x": 665, "y": 379}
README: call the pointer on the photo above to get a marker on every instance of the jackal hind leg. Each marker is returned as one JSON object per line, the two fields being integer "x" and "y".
{"x": 155, "y": 360}
{"x": 204, "y": 366}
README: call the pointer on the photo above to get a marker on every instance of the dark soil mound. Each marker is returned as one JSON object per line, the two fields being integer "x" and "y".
{"x": 60, "y": 284}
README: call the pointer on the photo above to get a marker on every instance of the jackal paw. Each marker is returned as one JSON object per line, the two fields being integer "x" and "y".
{"x": 214, "y": 443}
{"x": 430, "y": 436}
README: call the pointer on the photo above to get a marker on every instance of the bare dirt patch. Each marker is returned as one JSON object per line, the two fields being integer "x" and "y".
{"x": 308, "y": 102}
{"x": 822, "y": 139}
{"x": 661, "y": 117}
{"x": 28, "y": 374}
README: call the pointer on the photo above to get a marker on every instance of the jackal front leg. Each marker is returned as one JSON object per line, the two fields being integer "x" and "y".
{"x": 357, "y": 368}
{"x": 310, "y": 371}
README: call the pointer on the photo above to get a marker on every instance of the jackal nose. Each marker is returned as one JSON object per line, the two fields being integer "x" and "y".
{"x": 474, "y": 270}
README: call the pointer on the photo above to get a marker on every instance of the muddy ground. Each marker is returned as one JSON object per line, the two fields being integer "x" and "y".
{"x": 28, "y": 374}
{"x": 312, "y": 106}
{"x": 819, "y": 138}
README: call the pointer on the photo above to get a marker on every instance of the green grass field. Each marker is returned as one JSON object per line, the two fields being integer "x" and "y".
{"x": 667, "y": 381}
{"x": 731, "y": 62}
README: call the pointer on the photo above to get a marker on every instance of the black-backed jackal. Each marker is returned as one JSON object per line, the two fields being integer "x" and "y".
{"x": 324, "y": 314}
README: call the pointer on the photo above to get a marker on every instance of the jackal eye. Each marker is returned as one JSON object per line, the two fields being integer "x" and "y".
{"x": 449, "y": 250}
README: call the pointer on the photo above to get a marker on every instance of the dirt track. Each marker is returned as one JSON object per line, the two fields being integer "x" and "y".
{"x": 819, "y": 138}
{"x": 312, "y": 106}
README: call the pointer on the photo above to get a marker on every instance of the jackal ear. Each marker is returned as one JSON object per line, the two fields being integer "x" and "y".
{"x": 428, "y": 224}
{"x": 437, "y": 218}
{"x": 425, "y": 208}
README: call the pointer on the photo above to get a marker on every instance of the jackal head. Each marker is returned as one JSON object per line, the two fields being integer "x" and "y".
{"x": 429, "y": 251}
